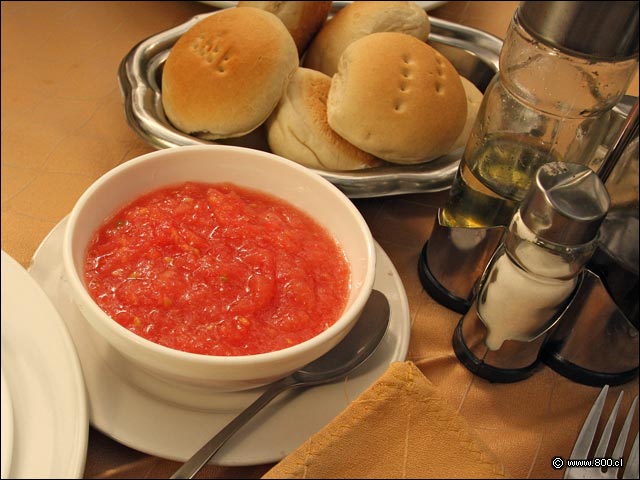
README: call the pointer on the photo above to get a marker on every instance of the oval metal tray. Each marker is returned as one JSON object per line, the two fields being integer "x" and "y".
{"x": 474, "y": 53}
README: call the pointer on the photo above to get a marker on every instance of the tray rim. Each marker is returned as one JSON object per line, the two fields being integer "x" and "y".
{"x": 139, "y": 88}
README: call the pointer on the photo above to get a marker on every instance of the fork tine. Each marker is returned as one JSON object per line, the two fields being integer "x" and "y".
{"x": 583, "y": 443}
{"x": 618, "y": 450}
{"x": 608, "y": 428}
{"x": 624, "y": 432}
{"x": 631, "y": 470}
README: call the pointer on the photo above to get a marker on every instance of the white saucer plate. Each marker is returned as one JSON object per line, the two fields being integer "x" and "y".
{"x": 157, "y": 427}
{"x": 44, "y": 380}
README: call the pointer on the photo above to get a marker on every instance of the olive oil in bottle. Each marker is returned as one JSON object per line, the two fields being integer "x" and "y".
{"x": 550, "y": 101}
{"x": 491, "y": 183}
{"x": 563, "y": 67}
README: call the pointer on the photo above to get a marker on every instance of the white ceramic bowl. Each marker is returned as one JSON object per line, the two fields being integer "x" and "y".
{"x": 213, "y": 164}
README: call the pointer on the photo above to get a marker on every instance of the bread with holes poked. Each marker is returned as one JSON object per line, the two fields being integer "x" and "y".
{"x": 397, "y": 98}
{"x": 302, "y": 19}
{"x": 226, "y": 74}
{"x": 359, "y": 19}
{"x": 298, "y": 128}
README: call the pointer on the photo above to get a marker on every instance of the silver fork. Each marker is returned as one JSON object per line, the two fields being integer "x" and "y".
{"x": 586, "y": 436}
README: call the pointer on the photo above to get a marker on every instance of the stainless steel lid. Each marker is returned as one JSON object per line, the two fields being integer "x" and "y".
{"x": 566, "y": 203}
{"x": 600, "y": 29}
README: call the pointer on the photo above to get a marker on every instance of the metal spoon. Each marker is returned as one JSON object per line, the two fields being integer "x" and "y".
{"x": 354, "y": 349}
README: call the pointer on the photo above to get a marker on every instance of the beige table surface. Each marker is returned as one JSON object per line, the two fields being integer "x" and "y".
{"x": 63, "y": 126}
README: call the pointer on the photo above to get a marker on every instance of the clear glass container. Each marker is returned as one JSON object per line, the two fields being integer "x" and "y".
{"x": 534, "y": 274}
{"x": 529, "y": 281}
{"x": 546, "y": 104}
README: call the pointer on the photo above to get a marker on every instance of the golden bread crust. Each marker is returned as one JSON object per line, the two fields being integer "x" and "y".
{"x": 224, "y": 76}
{"x": 397, "y": 98}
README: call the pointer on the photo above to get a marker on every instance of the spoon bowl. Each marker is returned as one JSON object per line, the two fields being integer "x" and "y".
{"x": 351, "y": 352}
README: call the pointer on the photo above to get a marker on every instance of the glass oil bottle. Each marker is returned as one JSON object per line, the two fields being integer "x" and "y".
{"x": 563, "y": 67}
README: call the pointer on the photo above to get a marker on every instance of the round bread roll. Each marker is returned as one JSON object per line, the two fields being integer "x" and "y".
{"x": 298, "y": 128}
{"x": 226, "y": 74}
{"x": 359, "y": 19}
{"x": 397, "y": 98}
{"x": 302, "y": 19}
{"x": 474, "y": 99}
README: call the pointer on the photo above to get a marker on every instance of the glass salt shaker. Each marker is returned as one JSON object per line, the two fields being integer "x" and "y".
{"x": 563, "y": 67}
{"x": 533, "y": 274}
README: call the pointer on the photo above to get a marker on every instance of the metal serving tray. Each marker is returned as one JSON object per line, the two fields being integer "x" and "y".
{"x": 474, "y": 53}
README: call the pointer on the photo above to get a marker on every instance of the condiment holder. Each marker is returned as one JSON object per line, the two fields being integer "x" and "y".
{"x": 596, "y": 340}
{"x": 593, "y": 342}
{"x": 564, "y": 67}
{"x": 450, "y": 272}
{"x": 591, "y": 337}
{"x": 534, "y": 276}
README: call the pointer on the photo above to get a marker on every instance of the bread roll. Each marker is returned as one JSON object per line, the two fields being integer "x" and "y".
{"x": 359, "y": 19}
{"x": 302, "y": 19}
{"x": 397, "y": 98}
{"x": 298, "y": 128}
{"x": 226, "y": 74}
{"x": 474, "y": 99}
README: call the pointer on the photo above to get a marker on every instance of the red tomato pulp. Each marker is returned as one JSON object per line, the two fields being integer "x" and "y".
{"x": 217, "y": 269}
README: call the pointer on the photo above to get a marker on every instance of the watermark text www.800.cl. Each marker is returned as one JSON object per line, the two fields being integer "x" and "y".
{"x": 602, "y": 462}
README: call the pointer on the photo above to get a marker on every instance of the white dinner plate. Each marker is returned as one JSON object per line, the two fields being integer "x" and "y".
{"x": 168, "y": 430}
{"x": 44, "y": 378}
{"x": 7, "y": 427}
{"x": 336, "y": 5}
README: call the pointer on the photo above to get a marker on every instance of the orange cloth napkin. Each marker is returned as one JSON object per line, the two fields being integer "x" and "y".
{"x": 400, "y": 427}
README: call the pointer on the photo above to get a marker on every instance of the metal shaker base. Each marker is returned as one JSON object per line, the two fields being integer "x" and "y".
{"x": 584, "y": 376}
{"x": 483, "y": 370}
{"x": 437, "y": 291}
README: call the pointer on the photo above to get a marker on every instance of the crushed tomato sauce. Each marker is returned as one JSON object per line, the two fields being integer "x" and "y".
{"x": 217, "y": 269}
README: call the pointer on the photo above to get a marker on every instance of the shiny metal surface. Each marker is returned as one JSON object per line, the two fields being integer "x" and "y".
{"x": 350, "y": 353}
{"x": 593, "y": 343}
{"x": 453, "y": 261}
{"x": 566, "y": 204}
{"x": 515, "y": 360}
{"x": 601, "y": 29}
{"x": 627, "y": 134}
{"x": 587, "y": 436}
{"x": 474, "y": 53}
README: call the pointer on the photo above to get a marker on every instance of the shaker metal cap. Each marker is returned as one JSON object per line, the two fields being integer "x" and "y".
{"x": 602, "y": 29}
{"x": 566, "y": 203}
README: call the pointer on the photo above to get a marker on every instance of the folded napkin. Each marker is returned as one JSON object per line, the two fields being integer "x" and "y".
{"x": 400, "y": 427}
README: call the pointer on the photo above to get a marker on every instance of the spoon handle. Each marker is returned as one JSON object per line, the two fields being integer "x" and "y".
{"x": 199, "y": 459}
